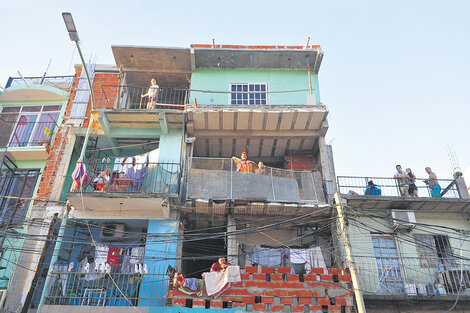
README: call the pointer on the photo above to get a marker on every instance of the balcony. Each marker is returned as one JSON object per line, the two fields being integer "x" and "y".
{"x": 217, "y": 179}
{"x": 25, "y": 138}
{"x": 407, "y": 276}
{"x": 125, "y": 97}
{"x": 453, "y": 198}
{"x": 125, "y": 189}
{"x": 106, "y": 289}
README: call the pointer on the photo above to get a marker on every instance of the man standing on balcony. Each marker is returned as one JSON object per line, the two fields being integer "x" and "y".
{"x": 433, "y": 183}
{"x": 403, "y": 181}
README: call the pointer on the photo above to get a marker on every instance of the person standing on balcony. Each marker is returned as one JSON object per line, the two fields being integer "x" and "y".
{"x": 433, "y": 183}
{"x": 412, "y": 190}
{"x": 243, "y": 165}
{"x": 403, "y": 181}
{"x": 152, "y": 94}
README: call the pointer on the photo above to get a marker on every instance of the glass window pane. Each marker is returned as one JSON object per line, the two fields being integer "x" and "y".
{"x": 257, "y": 96}
{"x": 263, "y": 87}
{"x": 239, "y": 102}
{"x": 256, "y": 87}
{"x": 245, "y": 88}
{"x": 245, "y": 96}
{"x": 48, "y": 108}
{"x": 10, "y": 109}
{"x": 257, "y": 102}
{"x": 239, "y": 87}
{"x": 252, "y": 101}
{"x": 263, "y": 96}
{"x": 31, "y": 109}
{"x": 234, "y": 88}
{"x": 234, "y": 101}
{"x": 252, "y": 88}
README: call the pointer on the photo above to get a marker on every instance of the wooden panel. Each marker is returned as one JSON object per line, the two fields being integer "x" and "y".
{"x": 271, "y": 120}
{"x": 253, "y": 148}
{"x": 199, "y": 120}
{"x": 227, "y": 120}
{"x": 240, "y": 146}
{"x": 317, "y": 119}
{"x": 213, "y": 121}
{"x": 257, "y": 121}
{"x": 242, "y": 119}
{"x": 308, "y": 143}
{"x": 200, "y": 147}
{"x": 227, "y": 147}
{"x": 294, "y": 144}
{"x": 280, "y": 147}
{"x": 286, "y": 121}
{"x": 302, "y": 118}
{"x": 214, "y": 147}
{"x": 267, "y": 147}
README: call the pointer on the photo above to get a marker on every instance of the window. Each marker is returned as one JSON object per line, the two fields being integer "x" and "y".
{"x": 249, "y": 93}
{"x": 25, "y": 125}
{"x": 18, "y": 184}
{"x": 388, "y": 264}
{"x": 434, "y": 250}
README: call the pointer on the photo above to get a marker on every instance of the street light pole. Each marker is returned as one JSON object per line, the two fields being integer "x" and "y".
{"x": 73, "y": 34}
{"x": 63, "y": 224}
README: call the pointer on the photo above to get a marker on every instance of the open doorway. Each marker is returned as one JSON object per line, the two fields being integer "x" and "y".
{"x": 199, "y": 255}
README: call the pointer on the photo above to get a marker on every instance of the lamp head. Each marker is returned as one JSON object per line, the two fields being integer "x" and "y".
{"x": 70, "y": 25}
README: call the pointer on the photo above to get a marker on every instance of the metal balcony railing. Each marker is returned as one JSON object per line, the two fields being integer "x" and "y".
{"x": 107, "y": 289}
{"x": 130, "y": 97}
{"x": 25, "y": 133}
{"x": 116, "y": 177}
{"x": 390, "y": 186}
{"x": 218, "y": 179}
{"x": 61, "y": 82}
{"x": 412, "y": 276}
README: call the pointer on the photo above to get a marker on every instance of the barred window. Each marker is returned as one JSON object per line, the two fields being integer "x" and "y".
{"x": 434, "y": 250}
{"x": 248, "y": 93}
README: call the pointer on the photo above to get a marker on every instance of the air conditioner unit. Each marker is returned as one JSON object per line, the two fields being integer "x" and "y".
{"x": 113, "y": 232}
{"x": 403, "y": 220}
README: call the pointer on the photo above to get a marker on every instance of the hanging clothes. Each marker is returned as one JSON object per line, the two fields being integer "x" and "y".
{"x": 298, "y": 256}
{"x": 137, "y": 255}
{"x": 60, "y": 272}
{"x": 113, "y": 257}
{"x": 80, "y": 175}
{"x": 266, "y": 256}
{"x": 314, "y": 259}
{"x": 87, "y": 251}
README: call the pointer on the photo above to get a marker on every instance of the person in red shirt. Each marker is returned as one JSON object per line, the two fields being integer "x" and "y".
{"x": 220, "y": 265}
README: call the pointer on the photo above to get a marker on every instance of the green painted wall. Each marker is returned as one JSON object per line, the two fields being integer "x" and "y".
{"x": 360, "y": 232}
{"x": 277, "y": 80}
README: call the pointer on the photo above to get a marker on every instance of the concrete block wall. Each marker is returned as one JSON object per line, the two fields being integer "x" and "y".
{"x": 269, "y": 289}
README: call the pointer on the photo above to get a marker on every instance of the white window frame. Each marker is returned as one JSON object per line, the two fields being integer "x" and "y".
{"x": 248, "y": 92}
{"x": 36, "y": 123}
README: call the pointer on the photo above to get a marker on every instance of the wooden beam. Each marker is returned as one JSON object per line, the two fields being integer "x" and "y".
{"x": 156, "y": 70}
{"x": 256, "y": 133}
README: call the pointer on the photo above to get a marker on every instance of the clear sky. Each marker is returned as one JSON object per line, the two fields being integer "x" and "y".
{"x": 394, "y": 77}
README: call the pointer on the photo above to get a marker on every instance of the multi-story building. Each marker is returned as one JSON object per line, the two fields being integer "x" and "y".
{"x": 167, "y": 189}
{"x": 31, "y": 110}
{"x": 410, "y": 253}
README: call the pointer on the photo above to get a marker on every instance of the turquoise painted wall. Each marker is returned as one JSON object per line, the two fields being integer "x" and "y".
{"x": 170, "y": 146}
{"x": 277, "y": 80}
{"x": 160, "y": 251}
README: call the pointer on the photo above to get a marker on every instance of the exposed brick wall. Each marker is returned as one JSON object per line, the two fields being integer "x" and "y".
{"x": 101, "y": 85}
{"x": 276, "y": 290}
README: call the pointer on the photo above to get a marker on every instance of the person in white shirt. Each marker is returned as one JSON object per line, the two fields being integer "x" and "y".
{"x": 152, "y": 94}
